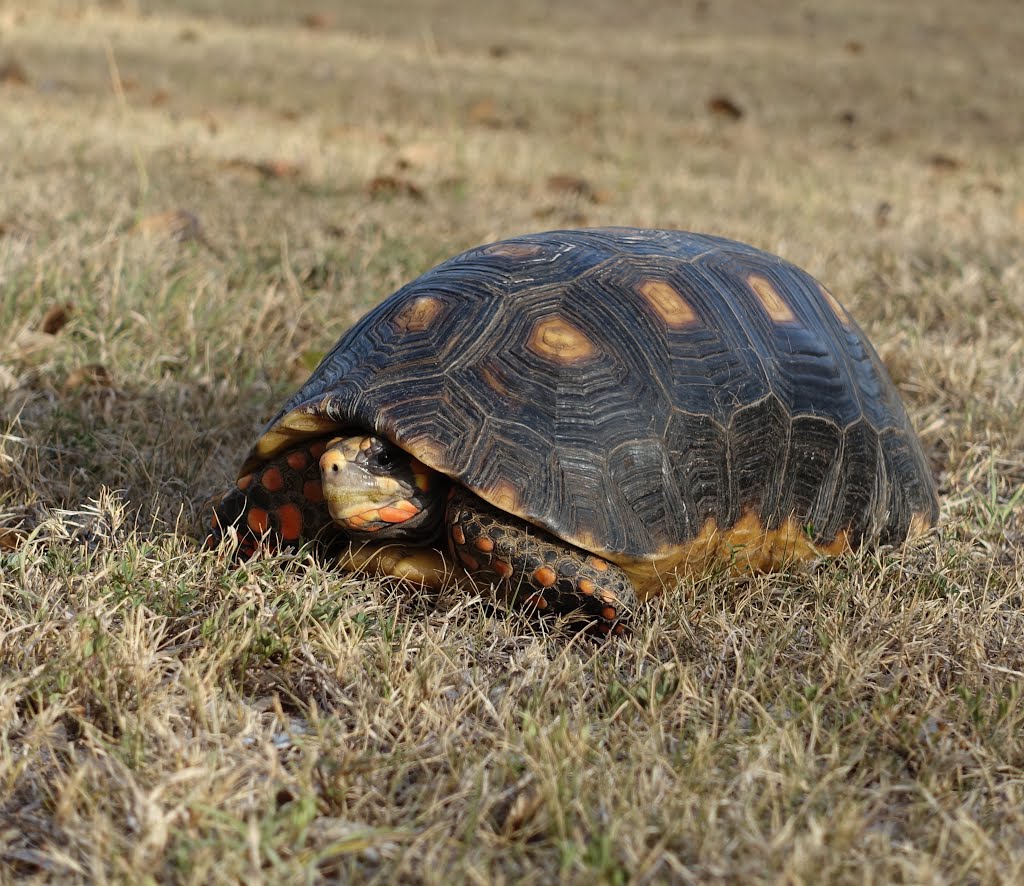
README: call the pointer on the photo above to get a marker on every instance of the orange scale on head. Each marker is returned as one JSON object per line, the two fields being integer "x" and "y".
{"x": 398, "y": 513}
{"x": 458, "y": 535}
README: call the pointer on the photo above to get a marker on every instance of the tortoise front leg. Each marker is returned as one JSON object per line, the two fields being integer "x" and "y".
{"x": 533, "y": 570}
{"x": 279, "y": 505}
{"x": 413, "y": 563}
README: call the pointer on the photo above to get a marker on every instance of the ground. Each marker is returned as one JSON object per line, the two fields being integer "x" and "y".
{"x": 199, "y": 197}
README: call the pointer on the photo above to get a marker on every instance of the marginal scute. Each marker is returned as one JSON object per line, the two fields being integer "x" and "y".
{"x": 773, "y": 303}
{"x": 839, "y": 545}
{"x": 419, "y": 315}
{"x": 919, "y": 525}
{"x": 555, "y": 338}
{"x": 428, "y": 451}
{"x": 505, "y": 497}
{"x": 294, "y": 427}
{"x": 668, "y": 304}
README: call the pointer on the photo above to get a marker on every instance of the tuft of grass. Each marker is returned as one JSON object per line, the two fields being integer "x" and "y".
{"x": 213, "y": 192}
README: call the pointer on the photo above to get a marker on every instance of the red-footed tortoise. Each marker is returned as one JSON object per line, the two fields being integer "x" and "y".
{"x": 574, "y": 417}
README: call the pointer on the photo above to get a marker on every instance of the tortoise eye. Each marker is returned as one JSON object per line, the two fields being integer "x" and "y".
{"x": 382, "y": 461}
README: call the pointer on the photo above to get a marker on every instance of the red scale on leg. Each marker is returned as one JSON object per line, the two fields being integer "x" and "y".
{"x": 272, "y": 479}
{"x": 534, "y": 571}
{"x": 280, "y": 503}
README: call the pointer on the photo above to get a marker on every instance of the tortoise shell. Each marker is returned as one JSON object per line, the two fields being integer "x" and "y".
{"x": 633, "y": 392}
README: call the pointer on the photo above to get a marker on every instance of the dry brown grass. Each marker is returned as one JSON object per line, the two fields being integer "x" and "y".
{"x": 218, "y": 189}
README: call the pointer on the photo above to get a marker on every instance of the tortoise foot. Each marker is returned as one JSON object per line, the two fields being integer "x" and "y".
{"x": 533, "y": 571}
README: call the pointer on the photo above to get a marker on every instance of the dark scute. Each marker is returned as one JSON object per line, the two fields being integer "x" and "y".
{"x": 910, "y": 486}
{"x": 698, "y": 449}
{"x": 653, "y": 429}
{"x": 759, "y": 460}
{"x": 859, "y": 496}
{"x": 645, "y": 490}
{"x": 814, "y": 467}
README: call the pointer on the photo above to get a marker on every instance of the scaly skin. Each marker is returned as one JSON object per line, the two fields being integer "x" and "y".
{"x": 532, "y": 569}
{"x": 282, "y": 505}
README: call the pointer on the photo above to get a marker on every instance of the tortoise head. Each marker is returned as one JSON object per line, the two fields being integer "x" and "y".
{"x": 376, "y": 490}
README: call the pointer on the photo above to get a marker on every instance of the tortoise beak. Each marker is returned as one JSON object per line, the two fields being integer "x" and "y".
{"x": 350, "y": 489}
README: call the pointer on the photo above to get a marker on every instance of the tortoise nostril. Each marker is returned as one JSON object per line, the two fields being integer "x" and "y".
{"x": 334, "y": 468}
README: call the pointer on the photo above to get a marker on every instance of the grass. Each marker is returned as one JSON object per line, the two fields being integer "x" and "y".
{"x": 217, "y": 190}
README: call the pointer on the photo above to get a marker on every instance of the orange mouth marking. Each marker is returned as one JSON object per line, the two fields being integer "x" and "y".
{"x": 371, "y": 521}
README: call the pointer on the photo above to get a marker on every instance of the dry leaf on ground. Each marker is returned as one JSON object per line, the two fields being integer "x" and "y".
{"x": 56, "y": 318}
{"x": 723, "y": 106}
{"x": 318, "y": 21}
{"x": 179, "y": 224}
{"x": 14, "y": 73}
{"x": 391, "y": 186}
{"x": 92, "y": 375}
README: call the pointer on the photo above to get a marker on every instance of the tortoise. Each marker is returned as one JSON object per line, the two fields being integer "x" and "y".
{"x": 574, "y": 418}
